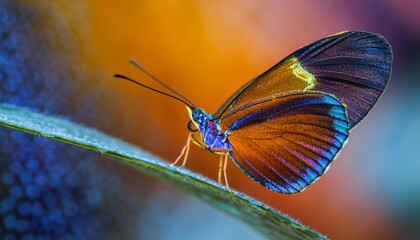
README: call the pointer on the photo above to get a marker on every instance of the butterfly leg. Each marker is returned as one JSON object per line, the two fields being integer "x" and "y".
{"x": 224, "y": 171}
{"x": 222, "y": 167}
{"x": 186, "y": 149}
{"x": 197, "y": 142}
{"x": 219, "y": 176}
{"x": 184, "y": 152}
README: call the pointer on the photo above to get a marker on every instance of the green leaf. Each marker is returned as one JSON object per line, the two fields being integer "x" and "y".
{"x": 269, "y": 222}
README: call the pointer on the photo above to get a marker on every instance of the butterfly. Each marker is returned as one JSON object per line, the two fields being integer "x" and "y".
{"x": 285, "y": 127}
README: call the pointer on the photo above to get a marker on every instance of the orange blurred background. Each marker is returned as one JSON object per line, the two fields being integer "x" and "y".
{"x": 208, "y": 49}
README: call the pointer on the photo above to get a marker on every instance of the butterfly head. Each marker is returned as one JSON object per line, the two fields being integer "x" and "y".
{"x": 198, "y": 117}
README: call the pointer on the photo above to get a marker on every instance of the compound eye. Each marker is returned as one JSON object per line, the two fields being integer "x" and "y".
{"x": 190, "y": 127}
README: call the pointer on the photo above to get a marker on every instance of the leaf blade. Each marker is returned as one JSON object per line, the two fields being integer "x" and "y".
{"x": 267, "y": 221}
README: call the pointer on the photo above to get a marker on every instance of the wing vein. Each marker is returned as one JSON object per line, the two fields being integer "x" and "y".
{"x": 269, "y": 166}
{"x": 324, "y": 46}
{"x": 302, "y": 160}
{"x": 283, "y": 162}
{"x": 309, "y": 149}
{"x": 353, "y": 95}
{"x": 320, "y": 74}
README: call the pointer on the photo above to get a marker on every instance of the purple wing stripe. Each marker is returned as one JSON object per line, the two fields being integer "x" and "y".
{"x": 258, "y": 176}
{"x": 313, "y": 168}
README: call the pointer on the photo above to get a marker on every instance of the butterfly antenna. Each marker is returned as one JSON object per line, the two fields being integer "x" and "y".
{"x": 186, "y": 102}
{"x": 136, "y": 64}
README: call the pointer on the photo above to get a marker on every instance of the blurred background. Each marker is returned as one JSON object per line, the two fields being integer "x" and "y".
{"x": 58, "y": 57}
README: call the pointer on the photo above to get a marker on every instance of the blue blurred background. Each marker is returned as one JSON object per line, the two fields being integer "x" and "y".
{"x": 58, "y": 57}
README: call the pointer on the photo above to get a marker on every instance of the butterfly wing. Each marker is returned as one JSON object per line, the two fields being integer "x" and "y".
{"x": 353, "y": 66}
{"x": 285, "y": 142}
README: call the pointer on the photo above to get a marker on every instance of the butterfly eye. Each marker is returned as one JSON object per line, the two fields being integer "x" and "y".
{"x": 190, "y": 127}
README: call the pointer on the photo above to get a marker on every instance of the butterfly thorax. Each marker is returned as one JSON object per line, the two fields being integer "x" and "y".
{"x": 213, "y": 139}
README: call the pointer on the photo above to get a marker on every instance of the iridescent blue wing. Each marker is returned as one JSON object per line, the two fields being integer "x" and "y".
{"x": 353, "y": 66}
{"x": 285, "y": 142}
